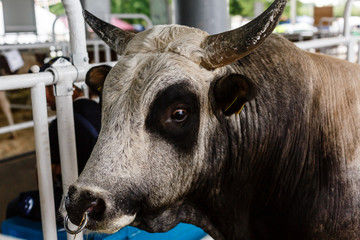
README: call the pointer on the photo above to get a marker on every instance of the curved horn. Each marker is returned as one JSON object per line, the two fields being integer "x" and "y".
{"x": 114, "y": 37}
{"x": 224, "y": 48}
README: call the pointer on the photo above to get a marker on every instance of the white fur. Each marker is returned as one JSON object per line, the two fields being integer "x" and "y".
{"x": 128, "y": 158}
{"x": 118, "y": 223}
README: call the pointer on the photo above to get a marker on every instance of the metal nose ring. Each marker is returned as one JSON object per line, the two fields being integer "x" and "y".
{"x": 81, "y": 226}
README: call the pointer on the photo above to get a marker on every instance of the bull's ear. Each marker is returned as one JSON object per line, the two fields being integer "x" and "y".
{"x": 232, "y": 92}
{"x": 95, "y": 78}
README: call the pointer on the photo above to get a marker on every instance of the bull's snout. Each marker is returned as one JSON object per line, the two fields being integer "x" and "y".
{"x": 78, "y": 202}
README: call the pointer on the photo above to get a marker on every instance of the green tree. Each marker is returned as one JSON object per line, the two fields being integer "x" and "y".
{"x": 130, "y": 6}
{"x": 57, "y": 9}
{"x": 235, "y": 7}
{"x": 246, "y": 8}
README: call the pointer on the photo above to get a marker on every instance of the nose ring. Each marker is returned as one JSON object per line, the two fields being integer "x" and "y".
{"x": 81, "y": 226}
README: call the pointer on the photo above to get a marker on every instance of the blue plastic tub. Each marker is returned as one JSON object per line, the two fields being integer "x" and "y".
{"x": 32, "y": 230}
{"x": 27, "y": 229}
{"x": 181, "y": 232}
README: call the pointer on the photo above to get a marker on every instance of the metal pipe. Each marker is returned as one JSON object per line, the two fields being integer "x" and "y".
{"x": 65, "y": 74}
{"x": 350, "y": 51}
{"x": 46, "y": 191}
{"x": 349, "y": 41}
{"x": 21, "y": 126}
{"x": 96, "y": 53}
{"x": 347, "y": 15}
{"x": 107, "y": 53}
{"x": 53, "y": 27}
{"x": 67, "y": 146}
{"x": 66, "y": 130}
{"x": 347, "y": 30}
{"x": 20, "y": 106}
{"x": 28, "y": 80}
{"x": 28, "y": 46}
{"x": 325, "y": 42}
{"x": 79, "y": 55}
{"x": 293, "y": 12}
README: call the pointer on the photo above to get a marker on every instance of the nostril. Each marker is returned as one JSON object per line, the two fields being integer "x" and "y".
{"x": 79, "y": 201}
{"x": 96, "y": 208}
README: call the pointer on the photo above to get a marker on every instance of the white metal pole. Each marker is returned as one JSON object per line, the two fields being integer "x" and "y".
{"x": 64, "y": 93}
{"x": 20, "y": 126}
{"x": 347, "y": 29}
{"x": 325, "y": 42}
{"x": 29, "y": 80}
{"x": 11, "y": 82}
{"x": 65, "y": 74}
{"x": 79, "y": 55}
{"x": 293, "y": 12}
{"x": 41, "y": 131}
{"x": 67, "y": 146}
{"x": 79, "y": 58}
{"x": 351, "y": 57}
{"x": 347, "y": 15}
{"x": 107, "y": 54}
{"x": 96, "y": 53}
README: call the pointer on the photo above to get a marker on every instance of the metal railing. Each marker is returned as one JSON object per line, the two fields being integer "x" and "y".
{"x": 351, "y": 42}
{"x": 63, "y": 75}
{"x": 97, "y": 45}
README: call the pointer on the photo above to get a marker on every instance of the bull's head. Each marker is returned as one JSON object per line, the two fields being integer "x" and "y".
{"x": 163, "y": 103}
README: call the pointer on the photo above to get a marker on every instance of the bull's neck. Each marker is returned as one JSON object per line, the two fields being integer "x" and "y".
{"x": 272, "y": 174}
{"x": 252, "y": 182}
{"x": 280, "y": 166}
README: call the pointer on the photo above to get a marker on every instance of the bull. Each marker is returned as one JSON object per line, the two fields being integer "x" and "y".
{"x": 240, "y": 133}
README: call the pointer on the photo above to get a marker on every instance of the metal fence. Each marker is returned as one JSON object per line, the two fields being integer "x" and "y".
{"x": 351, "y": 44}
{"x": 95, "y": 45}
{"x": 62, "y": 75}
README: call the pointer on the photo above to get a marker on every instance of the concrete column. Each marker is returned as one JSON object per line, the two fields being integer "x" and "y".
{"x": 211, "y": 16}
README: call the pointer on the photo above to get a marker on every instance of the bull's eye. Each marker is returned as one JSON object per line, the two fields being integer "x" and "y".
{"x": 179, "y": 115}
{"x": 175, "y": 116}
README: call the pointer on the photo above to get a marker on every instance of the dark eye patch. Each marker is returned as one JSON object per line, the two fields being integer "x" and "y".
{"x": 174, "y": 115}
